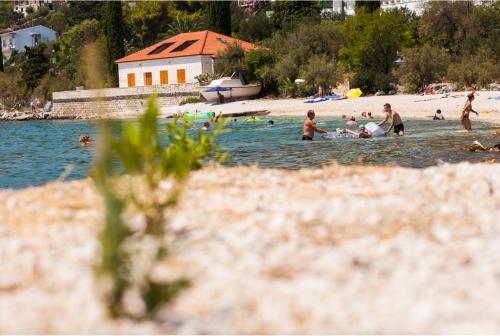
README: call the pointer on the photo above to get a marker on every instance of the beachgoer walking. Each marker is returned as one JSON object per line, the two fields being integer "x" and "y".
{"x": 32, "y": 105}
{"x": 438, "y": 115}
{"x": 464, "y": 118}
{"x": 396, "y": 123}
{"x": 310, "y": 127}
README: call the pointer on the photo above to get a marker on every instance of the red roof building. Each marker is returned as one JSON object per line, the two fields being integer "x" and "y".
{"x": 176, "y": 60}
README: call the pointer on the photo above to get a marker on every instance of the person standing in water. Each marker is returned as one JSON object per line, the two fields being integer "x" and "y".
{"x": 397, "y": 123}
{"x": 464, "y": 118}
{"x": 310, "y": 127}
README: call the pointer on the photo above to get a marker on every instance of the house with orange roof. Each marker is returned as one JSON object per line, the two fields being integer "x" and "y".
{"x": 177, "y": 60}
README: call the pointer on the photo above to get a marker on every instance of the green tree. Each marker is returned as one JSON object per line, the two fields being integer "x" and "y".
{"x": 255, "y": 28}
{"x": 114, "y": 37}
{"x": 34, "y": 66}
{"x": 146, "y": 22}
{"x": 219, "y": 16}
{"x": 372, "y": 43}
{"x": 289, "y": 14}
{"x": 422, "y": 66}
{"x": 449, "y": 23}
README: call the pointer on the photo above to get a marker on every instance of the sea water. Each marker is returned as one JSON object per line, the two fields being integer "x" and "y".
{"x": 35, "y": 152}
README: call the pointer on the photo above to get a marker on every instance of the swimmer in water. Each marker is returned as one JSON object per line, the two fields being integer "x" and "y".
{"x": 270, "y": 123}
{"x": 310, "y": 127}
{"x": 362, "y": 133}
{"x": 84, "y": 140}
{"x": 206, "y": 126}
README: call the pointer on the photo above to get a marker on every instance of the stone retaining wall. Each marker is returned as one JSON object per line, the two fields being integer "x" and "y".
{"x": 117, "y": 102}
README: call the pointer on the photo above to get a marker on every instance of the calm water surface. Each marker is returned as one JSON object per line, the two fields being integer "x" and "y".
{"x": 35, "y": 152}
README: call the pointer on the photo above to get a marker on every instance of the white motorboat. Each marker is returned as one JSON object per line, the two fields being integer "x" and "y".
{"x": 230, "y": 87}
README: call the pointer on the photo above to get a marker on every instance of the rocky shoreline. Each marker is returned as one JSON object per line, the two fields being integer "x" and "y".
{"x": 342, "y": 249}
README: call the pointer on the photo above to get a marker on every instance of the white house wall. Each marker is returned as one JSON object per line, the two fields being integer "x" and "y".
{"x": 19, "y": 39}
{"x": 193, "y": 65}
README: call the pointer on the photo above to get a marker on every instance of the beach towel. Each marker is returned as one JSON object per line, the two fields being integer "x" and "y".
{"x": 315, "y": 100}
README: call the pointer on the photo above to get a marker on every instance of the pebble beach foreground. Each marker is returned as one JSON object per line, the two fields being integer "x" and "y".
{"x": 332, "y": 250}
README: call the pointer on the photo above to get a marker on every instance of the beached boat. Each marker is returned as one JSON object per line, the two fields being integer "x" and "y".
{"x": 230, "y": 87}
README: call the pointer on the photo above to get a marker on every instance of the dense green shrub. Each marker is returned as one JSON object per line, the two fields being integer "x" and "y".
{"x": 421, "y": 66}
{"x": 476, "y": 70}
{"x": 320, "y": 70}
{"x": 229, "y": 60}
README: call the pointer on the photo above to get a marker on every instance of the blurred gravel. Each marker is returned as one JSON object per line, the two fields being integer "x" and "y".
{"x": 333, "y": 250}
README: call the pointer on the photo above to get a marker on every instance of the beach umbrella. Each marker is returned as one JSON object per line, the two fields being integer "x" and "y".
{"x": 354, "y": 93}
{"x": 218, "y": 89}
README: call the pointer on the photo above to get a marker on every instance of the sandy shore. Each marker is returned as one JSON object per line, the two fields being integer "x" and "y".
{"x": 409, "y": 106}
{"x": 332, "y": 250}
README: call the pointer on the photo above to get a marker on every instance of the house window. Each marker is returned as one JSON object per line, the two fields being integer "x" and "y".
{"x": 163, "y": 77}
{"x": 184, "y": 45}
{"x": 131, "y": 79}
{"x": 181, "y": 76}
{"x": 148, "y": 78}
{"x": 160, "y": 48}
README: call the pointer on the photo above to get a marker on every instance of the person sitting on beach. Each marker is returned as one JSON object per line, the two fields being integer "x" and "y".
{"x": 370, "y": 115}
{"x": 438, "y": 115}
{"x": 361, "y": 133}
{"x": 84, "y": 140}
{"x": 464, "y": 118}
{"x": 396, "y": 123}
{"x": 206, "y": 126}
{"x": 310, "y": 127}
{"x": 270, "y": 123}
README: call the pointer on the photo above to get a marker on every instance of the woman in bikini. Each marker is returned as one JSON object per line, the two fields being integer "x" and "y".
{"x": 464, "y": 119}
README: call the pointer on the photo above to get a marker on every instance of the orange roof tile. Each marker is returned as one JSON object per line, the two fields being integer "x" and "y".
{"x": 202, "y": 43}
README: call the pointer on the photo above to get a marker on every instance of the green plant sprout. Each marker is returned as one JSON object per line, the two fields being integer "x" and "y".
{"x": 129, "y": 173}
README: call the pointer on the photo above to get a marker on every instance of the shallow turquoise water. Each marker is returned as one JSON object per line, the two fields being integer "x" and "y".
{"x": 34, "y": 152}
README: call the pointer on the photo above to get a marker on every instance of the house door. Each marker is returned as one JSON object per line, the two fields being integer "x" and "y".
{"x": 181, "y": 76}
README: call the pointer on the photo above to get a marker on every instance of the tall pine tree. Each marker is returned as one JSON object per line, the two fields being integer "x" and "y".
{"x": 219, "y": 16}
{"x": 114, "y": 36}
{"x": 369, "y": 6}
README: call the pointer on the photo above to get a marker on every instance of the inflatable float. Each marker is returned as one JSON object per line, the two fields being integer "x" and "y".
{"x": 252, "y": 119}
{"x": 199, "y": 115}
{"x": 374, "y": 129}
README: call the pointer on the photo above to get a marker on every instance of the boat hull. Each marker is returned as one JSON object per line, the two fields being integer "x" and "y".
{"x": 235, "y": 92}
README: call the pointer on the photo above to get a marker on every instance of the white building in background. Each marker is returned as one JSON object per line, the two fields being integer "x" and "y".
{"x": 177, "y": 60}
{"x": 27, "y": 37}
{"x": 335, "y": 6}
{"x": 21, "y": 6}
{"x": 416, "y": 6}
